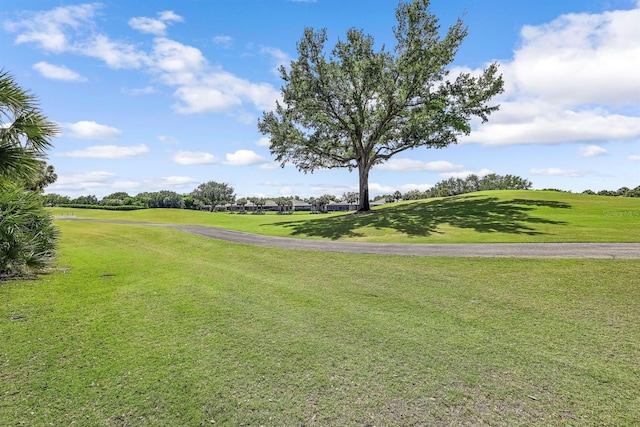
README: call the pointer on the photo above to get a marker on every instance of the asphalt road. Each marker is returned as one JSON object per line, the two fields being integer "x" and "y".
{"x": 488, "y": 250}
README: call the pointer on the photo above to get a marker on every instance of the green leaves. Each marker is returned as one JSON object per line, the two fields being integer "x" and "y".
{"x": 214, "y": 194}
{"x": 25, "y": 133}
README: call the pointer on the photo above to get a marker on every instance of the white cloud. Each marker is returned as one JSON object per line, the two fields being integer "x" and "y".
{"x": 446, "y": 170}
{"x": 127, "y": 185}
{"x": 410, "y": 187}
{"x": 102, "y": 183}
{"x": 224, "y": 41}
{"x": 147, "y": 90}
{"x": 172, "y": 182}
{"x": 254, "y": 194}
{"x": 265, "y": 141}
{"x": 108, "y": 152}
{"x": 571, "y": 80}
{"x": 542, "y": 123}
{"x": 244, "y": 158}
{"x": 219, "y": 91}
{"x": 193, "y": 158}
{"x": 153, "y": 26}
{"x": 85, "y": 176}
{"x": 285, "y": 191}
{"x": 58, "y": 72}
{"x": 84, "y": 181}
{"x": 557, "y": 172}
{"x": 634, "y": 158}
{"x": 91, "y": 130}
{"x": 49, "y": 29}
{"x": 279, "y": 58}
{"x": 198, "y": 85}
{"x": 201, "y": 87}
{"x": 178, "y": 62}
{"x": 410, "y": 165}
{"x": 592, "y": 151}
{"x": 581, "y": 59}
{"x": 270, "y": 165}
{"x": 168, "y": 139}
{"x": 465, "y": 173}
{"x": 115, "y": 54}
{"x": 72, "y": 29}
{"x": 377, "y": 189}
{"x": 198, "y": 99}
{"x": 319, "y": 190}
{"x": 170, "y": 16}
{"x": 148, "y": 25}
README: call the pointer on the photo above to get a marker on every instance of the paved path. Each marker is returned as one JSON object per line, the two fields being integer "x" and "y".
{"x": 491, "y": 250}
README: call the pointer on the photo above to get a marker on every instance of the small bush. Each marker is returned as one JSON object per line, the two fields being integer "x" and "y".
{"x": 27, "y": 236}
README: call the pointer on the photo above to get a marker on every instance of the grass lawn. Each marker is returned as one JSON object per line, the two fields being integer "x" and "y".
{"x": 493, "y": 216}
{"x": 151, "y": 326}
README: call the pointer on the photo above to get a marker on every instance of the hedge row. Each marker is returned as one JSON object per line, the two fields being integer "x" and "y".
{"x": 108, "y": 208}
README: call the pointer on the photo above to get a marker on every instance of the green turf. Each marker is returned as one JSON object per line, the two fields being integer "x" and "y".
{"x": 494, "y": 216}
{"x": 148, "y": 326}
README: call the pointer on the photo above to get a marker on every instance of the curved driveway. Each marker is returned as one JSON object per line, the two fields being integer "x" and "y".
{"x": 490, "y": 250}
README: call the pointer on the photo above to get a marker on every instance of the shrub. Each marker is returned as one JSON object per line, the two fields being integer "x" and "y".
{"x": 27, "y": 235}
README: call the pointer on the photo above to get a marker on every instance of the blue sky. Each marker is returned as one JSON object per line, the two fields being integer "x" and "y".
{"x": 165, "y": 95}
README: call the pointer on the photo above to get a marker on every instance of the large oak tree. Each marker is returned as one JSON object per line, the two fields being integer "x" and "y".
{"x": 356, "y": 107}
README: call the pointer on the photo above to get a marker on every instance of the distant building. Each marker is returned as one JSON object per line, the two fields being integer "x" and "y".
{"x": 300, "y": 206}
{"x": 342, "y": 207}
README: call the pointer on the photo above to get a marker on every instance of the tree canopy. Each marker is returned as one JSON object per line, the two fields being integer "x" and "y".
{"x": 356, "y": 107}
{"x": 214, "y": 194}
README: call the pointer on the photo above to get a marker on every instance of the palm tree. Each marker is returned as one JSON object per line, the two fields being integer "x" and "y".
{"x": 27, "y": 235}
{"x": 241, "y": 203}
{"x": 45, "y": 175}
{"x": 25, "y": 133}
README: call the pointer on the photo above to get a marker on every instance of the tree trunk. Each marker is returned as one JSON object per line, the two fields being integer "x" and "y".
{"x": 363, "y": 174}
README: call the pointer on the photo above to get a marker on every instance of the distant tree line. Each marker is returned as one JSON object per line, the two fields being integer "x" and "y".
{"x": 123, "y": 201}
{"x": 208, "y": 196}
{"x": 620, "y": 192}
{"x": 456, "y": 186}
{"x": 211, "y": 195}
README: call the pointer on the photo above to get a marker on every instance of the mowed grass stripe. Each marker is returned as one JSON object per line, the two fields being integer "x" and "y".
{"x": 152, "y": 326}
{"x": 483, "y": 217}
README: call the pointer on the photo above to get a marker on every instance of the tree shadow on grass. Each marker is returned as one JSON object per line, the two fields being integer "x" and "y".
{"x": 484, "y": 215}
